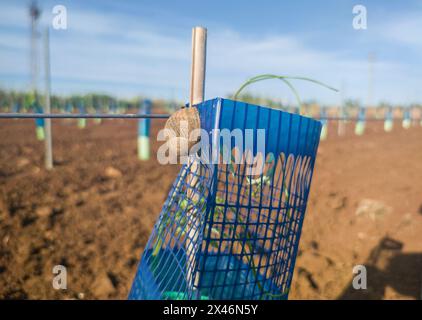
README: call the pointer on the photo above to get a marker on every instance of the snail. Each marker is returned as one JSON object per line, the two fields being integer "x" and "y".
{"x": 182, "y": 123}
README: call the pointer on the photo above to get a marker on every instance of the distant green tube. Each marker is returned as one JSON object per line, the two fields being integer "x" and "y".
{"x": 360, "y": 128}
{"x": 143, "y": 148}
{"x": 40, "y": 133}
{"x": 388, "y": 125}
{"x": 324, "y": 132}
{"x": 39, "y": 122}
{"x": 81, "y": 123}
{"x": 144, "y": 126}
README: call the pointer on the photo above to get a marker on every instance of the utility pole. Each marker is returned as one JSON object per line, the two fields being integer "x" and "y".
{"x": 48, "y": 137}
{"x": 371, "y": 61}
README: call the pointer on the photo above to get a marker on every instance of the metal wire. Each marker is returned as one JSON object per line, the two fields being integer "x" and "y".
{"x": 142, "y": 116}
{"x": 79, "y": 116}
{"x": 356, "y": 119}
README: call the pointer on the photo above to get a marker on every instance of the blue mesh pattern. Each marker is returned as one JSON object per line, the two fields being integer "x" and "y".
{"x": 69, "y": 107}
{"x": 224, "y": 233}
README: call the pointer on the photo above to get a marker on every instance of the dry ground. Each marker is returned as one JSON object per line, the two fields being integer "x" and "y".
{"x": 94, "y": 212}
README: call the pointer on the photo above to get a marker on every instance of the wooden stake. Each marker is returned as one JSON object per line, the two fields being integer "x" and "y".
{"x": 197, "y": 91}
{"x": 48, "y": 136}
{"x": 199, "y": 48}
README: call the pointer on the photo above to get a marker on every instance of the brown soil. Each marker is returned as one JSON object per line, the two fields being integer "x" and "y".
{"x": 94, "y": 212}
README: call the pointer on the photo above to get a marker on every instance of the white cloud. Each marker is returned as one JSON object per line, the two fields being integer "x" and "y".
{"x": 404, "y": 29}
{"x": 13, "y": 16}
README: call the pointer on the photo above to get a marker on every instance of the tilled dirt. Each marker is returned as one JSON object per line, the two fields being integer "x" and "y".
{"x": 94, "y": 212}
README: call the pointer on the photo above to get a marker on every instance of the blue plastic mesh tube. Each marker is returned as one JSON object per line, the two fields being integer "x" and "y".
{"x": 241, "y": 229}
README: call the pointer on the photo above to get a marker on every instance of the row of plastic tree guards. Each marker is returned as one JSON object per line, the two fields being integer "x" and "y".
{"x": 360, "y": 124}
{"x": 143, "y": 140}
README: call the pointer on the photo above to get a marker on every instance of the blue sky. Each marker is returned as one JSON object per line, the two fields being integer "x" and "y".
{"x": 131, "y": 48}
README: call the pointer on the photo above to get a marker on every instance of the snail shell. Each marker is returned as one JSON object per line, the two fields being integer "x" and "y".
{"x": 182, "y": 123}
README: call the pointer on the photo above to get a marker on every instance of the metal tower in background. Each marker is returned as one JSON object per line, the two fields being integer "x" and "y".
{"x": 34, "y": 13}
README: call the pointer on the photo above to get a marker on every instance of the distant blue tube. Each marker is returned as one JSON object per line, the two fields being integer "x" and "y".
{"x": 68, "y": 108}
{"x": 39, "y": 122}
{"x": 16, "y": 107}
{"x": 81, "y": 107}
{"x": 389, "y": 114}
{"x": 144, "y": 124}
{"x": 112, "y": 107}
{"x": 362, "y": 114}
{"x": 97, "y": 109}
{"x": 388, "y": 120}
{"x": 407, "y": 119}
{"x": 360, "y": 124}
{"x": 323, "y": 116}
{"x": 144, "y": 131}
